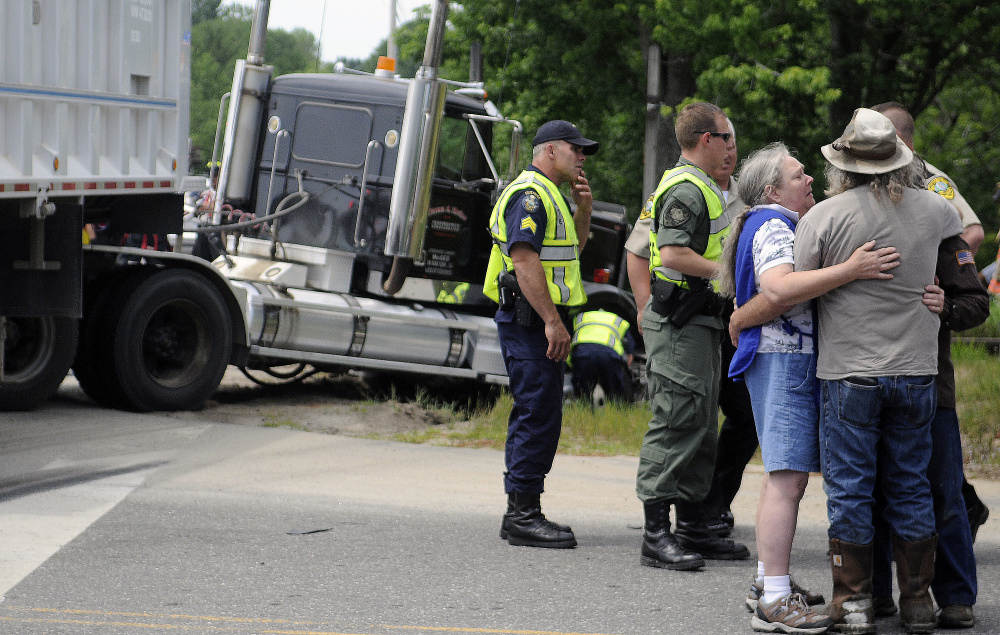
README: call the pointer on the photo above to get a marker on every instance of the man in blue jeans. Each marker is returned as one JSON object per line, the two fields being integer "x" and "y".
{"x": 966, "y": 304}
{"x": 876, "y": 366}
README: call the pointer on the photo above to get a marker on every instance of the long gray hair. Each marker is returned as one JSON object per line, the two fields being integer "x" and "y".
{"x": 759, "y": 172}
{"x": 892, "y": 183}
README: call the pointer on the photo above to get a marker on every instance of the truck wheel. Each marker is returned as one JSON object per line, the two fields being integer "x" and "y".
{"x": 37, "y": 354}
{"x": 171, "y": 343}
{"x": 92, "y": 367}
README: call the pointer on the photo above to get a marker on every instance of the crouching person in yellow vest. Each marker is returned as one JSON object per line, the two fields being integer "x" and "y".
{"x": 534, "y": 275}
{"x": 601, "y": 352}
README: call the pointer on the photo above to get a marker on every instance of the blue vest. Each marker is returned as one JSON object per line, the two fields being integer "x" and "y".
{"x": 745, "y": 287}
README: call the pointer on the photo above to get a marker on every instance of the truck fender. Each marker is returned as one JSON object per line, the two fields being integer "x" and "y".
{"x": 234, "y": 298}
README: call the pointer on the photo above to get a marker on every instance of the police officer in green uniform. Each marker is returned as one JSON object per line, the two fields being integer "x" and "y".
{"x": 534, "y": 275}
{"x": 600, "y": 354}
{"x": 683, "y": 329}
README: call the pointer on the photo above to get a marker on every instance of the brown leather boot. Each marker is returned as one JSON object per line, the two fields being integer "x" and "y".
{"x": 914, "y": 572}
{"x": 851, "y": 608}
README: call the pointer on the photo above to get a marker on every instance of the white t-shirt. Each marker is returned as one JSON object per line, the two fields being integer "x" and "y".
{"x": 792, "y": 331}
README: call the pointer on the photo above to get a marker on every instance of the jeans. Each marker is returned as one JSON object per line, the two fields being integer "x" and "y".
{"x": 857, "y": 414}
{"x": 954, "y": 561}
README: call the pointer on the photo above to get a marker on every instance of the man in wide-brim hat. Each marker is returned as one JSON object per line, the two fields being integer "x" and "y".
{"x": 877, "y": 364}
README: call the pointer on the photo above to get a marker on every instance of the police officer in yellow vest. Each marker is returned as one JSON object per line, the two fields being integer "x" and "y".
{"x": 534, "y": 274}
{"x": 601, "y": 351}
{"x": 683, "y": 329}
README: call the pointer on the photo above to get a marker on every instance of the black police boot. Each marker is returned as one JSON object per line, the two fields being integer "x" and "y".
{"x": 659, "y": 547}
{"x": 722, "y": 524}
{"x": 526, "y": 526}
{"x": 505, "y": 523}
{"x": 693, "y": 533}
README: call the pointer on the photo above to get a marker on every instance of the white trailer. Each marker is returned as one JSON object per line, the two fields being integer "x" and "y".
{"x": 94, "y": 99}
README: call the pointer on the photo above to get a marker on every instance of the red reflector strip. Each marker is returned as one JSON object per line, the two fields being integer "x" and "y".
{"x": 166, "y": 184}
{"x": 22, "y": 187}
{"x": 110, "y": 185}
{"x": 90, "y": 185}
{"x": 148, "y": 185}
{"x": 129, "y": 185}
{"x": 69, "y": 186}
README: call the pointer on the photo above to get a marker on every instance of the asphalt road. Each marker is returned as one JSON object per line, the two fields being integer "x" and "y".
{"x": 114, "y": 523}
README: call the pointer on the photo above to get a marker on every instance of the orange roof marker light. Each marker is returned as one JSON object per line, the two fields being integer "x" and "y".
{"x": 385, "y": 67}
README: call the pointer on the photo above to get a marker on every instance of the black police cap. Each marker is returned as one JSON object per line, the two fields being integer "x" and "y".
{"x": 559, "y": 130}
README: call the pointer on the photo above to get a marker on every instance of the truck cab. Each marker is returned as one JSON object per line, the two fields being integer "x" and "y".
{"x": 339, "y": 133}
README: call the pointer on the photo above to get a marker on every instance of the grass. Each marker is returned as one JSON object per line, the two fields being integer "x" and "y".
{"x": 614, "y": 429}
{"x": 272, "y": 421}
{"x": 618, "y": 429}
{"x": 978, "y": 398}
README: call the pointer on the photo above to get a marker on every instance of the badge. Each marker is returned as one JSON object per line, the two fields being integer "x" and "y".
{"x": 676, "y": 216}
{"x": 940, "y": 185}
{"x": 528, "y": 223}
{"x": 964, "y": 257}
{"x": 530, "y": 202}
{"x": 647, "y": 209}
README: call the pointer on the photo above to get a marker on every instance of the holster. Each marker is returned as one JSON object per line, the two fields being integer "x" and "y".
{"x": 512, "y": 298}
{"x": 664, "y": 295}
{"x": 679, "y": 305}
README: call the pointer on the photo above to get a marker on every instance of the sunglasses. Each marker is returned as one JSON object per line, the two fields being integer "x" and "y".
{"x": 725, "y": 135}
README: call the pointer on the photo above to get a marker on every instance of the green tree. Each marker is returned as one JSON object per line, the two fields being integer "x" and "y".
{"x": 216, "y": 44}
{"x": 202, "y": 10}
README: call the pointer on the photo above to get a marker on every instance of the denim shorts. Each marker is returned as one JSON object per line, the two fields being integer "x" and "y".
{"x": 782, "y": 394}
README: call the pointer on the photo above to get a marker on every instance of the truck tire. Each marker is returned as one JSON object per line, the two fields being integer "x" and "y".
{"x": 171, "y": 341}
{"x": 37, "y": 354}
{"x": 93, "y": 367}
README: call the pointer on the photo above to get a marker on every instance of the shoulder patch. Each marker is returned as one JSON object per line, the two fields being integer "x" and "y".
{"x": 647, "y": 209}
{"x": 675, "y": 215}
{"x": 964, "y": 257}
{"x": 529, "y": 224}
{"x": 942, "y": 186}
{"x": 531, "y": 202}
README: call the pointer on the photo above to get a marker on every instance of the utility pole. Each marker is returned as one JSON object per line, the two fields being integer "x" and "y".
{"x": 391, "y": 49}
{"x": 651, "y": 169}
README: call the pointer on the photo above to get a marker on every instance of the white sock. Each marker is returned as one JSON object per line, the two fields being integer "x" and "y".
{"x": 760, "y": 572}
{"x": 775, "y": 588}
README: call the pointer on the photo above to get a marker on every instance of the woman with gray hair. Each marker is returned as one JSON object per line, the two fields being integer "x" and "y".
{"x": 777, "y": 359}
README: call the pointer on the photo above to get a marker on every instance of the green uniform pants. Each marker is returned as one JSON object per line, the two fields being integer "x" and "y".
{"x": 678, "y": 450}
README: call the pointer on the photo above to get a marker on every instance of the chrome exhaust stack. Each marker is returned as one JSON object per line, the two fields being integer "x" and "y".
{"x": 251, "y": 82}
{"x": 411, "y": 191}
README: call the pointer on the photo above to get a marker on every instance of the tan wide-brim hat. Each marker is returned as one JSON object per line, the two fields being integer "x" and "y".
{"x": 869, "y": 145}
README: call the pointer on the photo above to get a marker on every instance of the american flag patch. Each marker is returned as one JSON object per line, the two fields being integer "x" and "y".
{"x": 964, "y": 257}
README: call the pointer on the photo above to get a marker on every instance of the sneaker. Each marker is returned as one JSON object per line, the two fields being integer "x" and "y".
{"x": 884, "y": 606}
{"x": 789, "y": 614}
{"x": 956, "y": 616}
{"x": 811, "y": 598}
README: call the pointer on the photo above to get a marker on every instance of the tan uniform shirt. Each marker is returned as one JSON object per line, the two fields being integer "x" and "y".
{"x": 940, "y": 183}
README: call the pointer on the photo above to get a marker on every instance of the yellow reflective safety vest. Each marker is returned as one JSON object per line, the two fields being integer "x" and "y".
{"x": 559, "y": 254}
{"x": 455, "y": 296}
{"x": 600, "y": 327}
{"x": 718, "y": 220}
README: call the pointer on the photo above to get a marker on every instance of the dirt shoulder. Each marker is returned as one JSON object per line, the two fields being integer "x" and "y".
{"x": 346, "y": 405}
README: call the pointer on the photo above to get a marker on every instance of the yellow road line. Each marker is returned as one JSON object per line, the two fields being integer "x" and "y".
{"x": 234, "y": 624}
